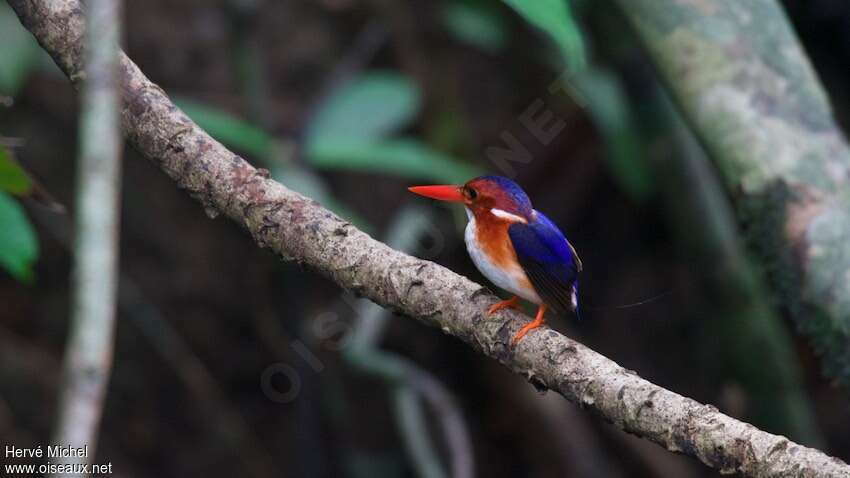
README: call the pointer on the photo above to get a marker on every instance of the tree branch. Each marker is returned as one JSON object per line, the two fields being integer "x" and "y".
{"x": 298, "y": 228}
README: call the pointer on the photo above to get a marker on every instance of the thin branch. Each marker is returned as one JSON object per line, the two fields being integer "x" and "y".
{"x": 298, "y": 228}
{"x": 88, "y": 354}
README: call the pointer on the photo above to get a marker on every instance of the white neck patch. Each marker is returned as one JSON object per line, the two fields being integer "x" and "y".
{"x": 507, "y": 216}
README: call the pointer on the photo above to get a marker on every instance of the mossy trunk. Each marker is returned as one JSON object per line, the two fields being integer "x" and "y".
{"x": 745, "y": 85}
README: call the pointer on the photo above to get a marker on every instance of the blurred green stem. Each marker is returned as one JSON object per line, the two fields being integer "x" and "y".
{"x": 409, "y": 382}
{"x": 247, "y": 58}
{"x": 414, "y": 428}
{"x": 745, "y": 85}
{"x": 88, "y": 354}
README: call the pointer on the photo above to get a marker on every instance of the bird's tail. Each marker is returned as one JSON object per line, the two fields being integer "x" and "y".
{"x": 583, "y": 305}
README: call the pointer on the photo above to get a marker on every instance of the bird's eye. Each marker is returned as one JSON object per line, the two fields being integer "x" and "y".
{"x": 471, "y": 193}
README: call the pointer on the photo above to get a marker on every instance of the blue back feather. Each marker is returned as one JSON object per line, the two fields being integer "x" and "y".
{"x": 547, "y": 259}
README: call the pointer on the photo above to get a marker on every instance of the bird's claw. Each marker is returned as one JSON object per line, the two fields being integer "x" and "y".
{"x": 511, "y": 303}
{"x": 537, "y": 322}
{"x": 524, "y": 330}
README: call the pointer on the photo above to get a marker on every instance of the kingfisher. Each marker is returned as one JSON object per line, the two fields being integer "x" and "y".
{"x": 515, "y": 246}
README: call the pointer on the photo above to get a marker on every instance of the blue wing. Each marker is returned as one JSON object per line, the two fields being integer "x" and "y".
{"x": 549, "y": 261}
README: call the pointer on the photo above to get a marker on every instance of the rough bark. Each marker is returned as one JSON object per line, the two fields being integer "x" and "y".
{"x": 299, "y": 229}
{"x": 88, "y": 354}
{"x": 747, "y": 88}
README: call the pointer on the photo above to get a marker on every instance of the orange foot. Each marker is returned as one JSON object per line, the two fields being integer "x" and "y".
{"x": 537, "y": 322}
{"x": 505, "y": 304}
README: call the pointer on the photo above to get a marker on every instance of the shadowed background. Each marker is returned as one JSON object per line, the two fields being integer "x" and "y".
{"x": 350, "y": 102}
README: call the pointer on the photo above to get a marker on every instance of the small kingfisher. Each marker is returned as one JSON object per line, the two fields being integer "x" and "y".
{"x": 514, "y": 246}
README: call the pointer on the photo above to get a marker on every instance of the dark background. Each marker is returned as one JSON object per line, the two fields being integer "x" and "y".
{"x": 204, "y": 312}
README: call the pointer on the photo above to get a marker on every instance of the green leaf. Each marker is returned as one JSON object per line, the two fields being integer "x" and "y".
{"x": 370, "y": 107}
{"x": 611, "y": 114}
{"x": 556, "y": 19}
{"x": 13, "y": 178}
{"x": 18, "y": 242}
{"x": 403, "y": 157}
{"x": 19, "y": 52}
{"x": 476, "y": 25}
{"x": 232, "y": 131}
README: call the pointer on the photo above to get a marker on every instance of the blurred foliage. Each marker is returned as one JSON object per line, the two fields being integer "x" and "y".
{"x": 556, "y": 19}
{"x": 353, "y": 123}
{"x": 476, "y": 24}
{"x": 20, "y": 55}
{"x": 19, "y": 52}
{"x": 611, "y": 112}
{"x": 599, "y": 91}
{"x": 232, "y": 131}
{"x": 243, "y": 136}
{"x": 18, "y": 242}
{"x": 370, "y": 107}
{"x": 402, "y": 157}
{"x": 351, "y": 132}
{"x": 13, "y": 178}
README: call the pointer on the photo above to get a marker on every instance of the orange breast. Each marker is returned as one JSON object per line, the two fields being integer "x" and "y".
{"x": 493, "y": 239}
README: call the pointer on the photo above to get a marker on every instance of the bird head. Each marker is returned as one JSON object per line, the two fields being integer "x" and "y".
{"x": 485, "y": 197}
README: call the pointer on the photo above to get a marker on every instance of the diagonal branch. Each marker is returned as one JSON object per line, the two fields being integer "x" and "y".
{"x": 299, "y": 229}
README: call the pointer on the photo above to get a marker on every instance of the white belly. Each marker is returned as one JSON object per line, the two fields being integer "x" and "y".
{"x": 508, "y": 279}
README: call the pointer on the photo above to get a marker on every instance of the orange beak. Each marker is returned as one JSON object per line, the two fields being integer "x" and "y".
{"x": 450, "y": 193}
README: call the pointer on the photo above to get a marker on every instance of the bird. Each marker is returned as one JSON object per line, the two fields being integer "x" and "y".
{"x": 515, "y": 247}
